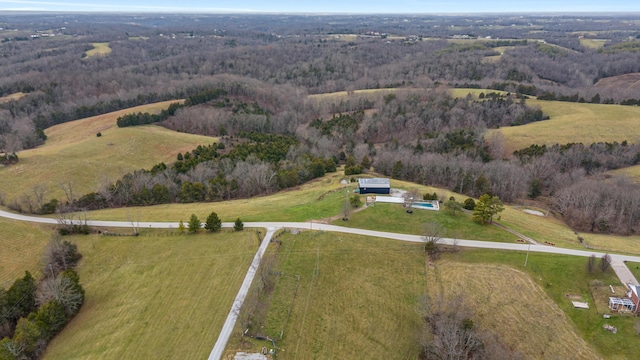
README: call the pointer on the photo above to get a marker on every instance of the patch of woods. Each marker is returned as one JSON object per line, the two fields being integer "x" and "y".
{"x": 33, "y": 311}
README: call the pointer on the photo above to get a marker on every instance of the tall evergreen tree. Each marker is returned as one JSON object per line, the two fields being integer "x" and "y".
{"x": 213, "y": 223}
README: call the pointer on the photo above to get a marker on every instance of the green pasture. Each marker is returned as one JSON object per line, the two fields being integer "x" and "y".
{"x": 358, "y": 297}
{"x": 575, "y": 122}
{"x": 156, "y": 296}
{"x": 73, "y": 153}
{"x": 21, "y": 247}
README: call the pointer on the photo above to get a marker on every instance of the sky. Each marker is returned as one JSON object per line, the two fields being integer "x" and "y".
{"x": 325, "y": 6}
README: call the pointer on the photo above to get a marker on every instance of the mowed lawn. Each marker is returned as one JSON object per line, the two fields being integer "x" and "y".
{"x": 358, "y": 297}
{"x": 21, "y": 247}
{"x": 99, "y": 49}
{"x": 575, "y": 122}
{"x": 394, "y": 218}
{"x": 74, "y": 153}
{"x": 154, "y": 297}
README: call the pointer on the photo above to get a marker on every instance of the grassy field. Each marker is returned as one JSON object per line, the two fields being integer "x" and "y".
{"x": 154, "y": 297}
{"x": 394, "y": 218}
{"x": 74, "y": 153}
{"x": 11, "y": 97}
{"x": 324, "y": 198}
{"x": 505, "y": 301}
{"x": 99, "y": 49}
{"x": 358, "y": 297}
{"x": 554, "y": 230}
{"x": 314, "y": 200}
{"x": 21, "y": 248}
{"x": 593, "y": 43}
{"x": 563, "y": 278}
{"x": 575, "y": 122}
{"x": 370, "y": 293}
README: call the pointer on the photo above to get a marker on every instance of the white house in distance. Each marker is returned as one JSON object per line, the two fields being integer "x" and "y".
{"x": 374, "y": 186}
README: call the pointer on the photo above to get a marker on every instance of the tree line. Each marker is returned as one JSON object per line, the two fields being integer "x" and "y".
{"x": 33, "y": 311}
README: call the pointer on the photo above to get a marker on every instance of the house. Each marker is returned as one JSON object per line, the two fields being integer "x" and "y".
{"x": 634, "y": 295}
{"x": 374, "y": 186}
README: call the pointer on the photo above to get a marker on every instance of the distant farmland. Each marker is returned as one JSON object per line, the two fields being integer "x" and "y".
{"x": 74, "y": 153}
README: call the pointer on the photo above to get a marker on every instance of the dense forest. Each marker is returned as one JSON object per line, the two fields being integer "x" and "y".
{"x": 256, "y": 83}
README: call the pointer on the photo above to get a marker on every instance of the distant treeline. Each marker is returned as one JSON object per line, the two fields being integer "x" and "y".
{"x": 147, "y": 118}
{"x": 532, "y": 90}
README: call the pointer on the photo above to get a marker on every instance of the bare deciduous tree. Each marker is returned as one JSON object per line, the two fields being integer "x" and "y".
{"x": 591, "y": 263}
{"x": 605, "y": 262}
{"x": 432, "y": 235}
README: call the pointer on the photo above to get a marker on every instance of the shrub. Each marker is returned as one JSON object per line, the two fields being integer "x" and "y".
{"x": 469, "y": 204}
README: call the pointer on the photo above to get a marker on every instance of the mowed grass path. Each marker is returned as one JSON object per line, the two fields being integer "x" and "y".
{"x": 99, "y": 49}
{"x": 508, "y": 303}
{"x": 358, "y": 297}
{"x": 575, "y": 122}
{"x": 154, "y": 297}
{"x": 74, "y": 153}
{"x": 21, "y": 247}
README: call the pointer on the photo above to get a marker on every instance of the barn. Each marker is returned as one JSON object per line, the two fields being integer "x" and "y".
{"x": 374, "y": 186}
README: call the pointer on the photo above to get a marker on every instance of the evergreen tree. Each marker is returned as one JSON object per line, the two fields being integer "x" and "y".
{"x": 213, "y": 223}
{"x": 238, "y": 225}
{"x": 194, "y": 224}
{"x": 486, "y": 208}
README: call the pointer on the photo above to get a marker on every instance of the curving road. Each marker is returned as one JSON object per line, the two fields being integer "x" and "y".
{"x": 341, "y": 229}
{"x": 216, "y": 353}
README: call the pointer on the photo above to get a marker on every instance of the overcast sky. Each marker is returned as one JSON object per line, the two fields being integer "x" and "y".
{"x": 327, "y": 6}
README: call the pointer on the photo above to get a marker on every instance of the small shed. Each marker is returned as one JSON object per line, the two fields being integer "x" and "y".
{"x": 374, "y": 186}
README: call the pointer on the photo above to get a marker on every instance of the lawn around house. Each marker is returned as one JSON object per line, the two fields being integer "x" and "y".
{"x": 394, "y": 218}
{"x": 158, "y": 295}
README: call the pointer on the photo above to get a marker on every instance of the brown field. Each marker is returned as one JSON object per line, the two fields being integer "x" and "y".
{"x": 508, "y": 303}
{"x": 11, "y": 97}
{"x": 626, "y": 81}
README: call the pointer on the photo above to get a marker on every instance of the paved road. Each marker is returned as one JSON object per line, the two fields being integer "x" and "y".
{"x": 617, "y": 260}
{"x": 227, "y": 328}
